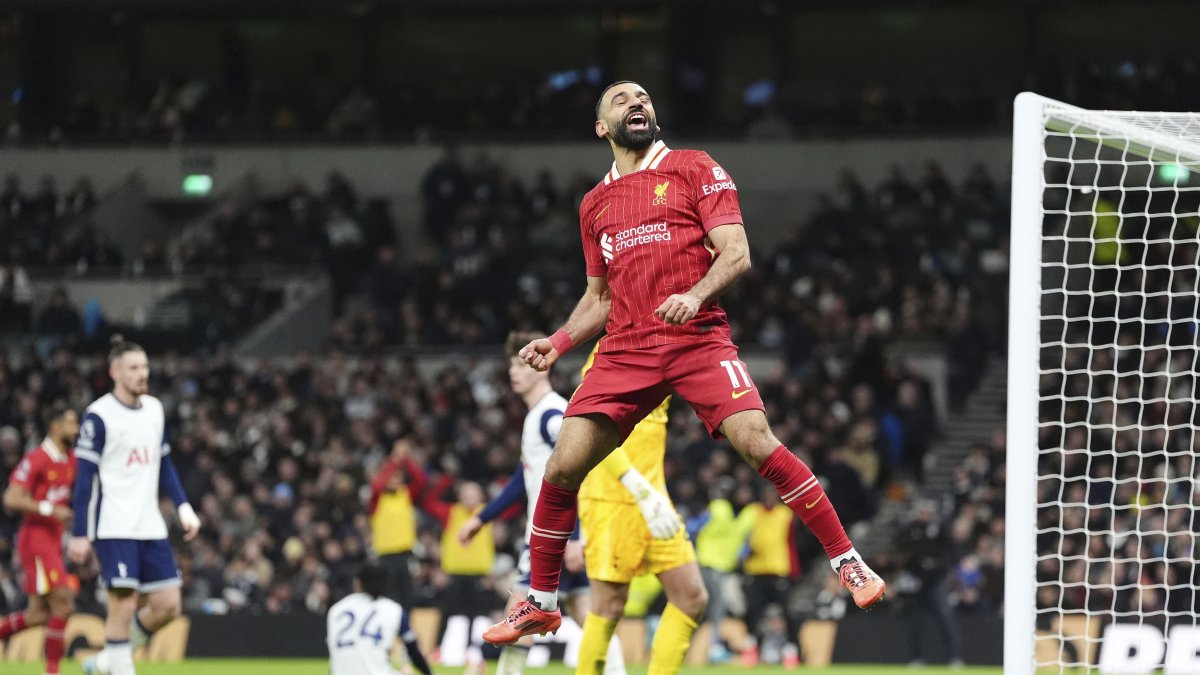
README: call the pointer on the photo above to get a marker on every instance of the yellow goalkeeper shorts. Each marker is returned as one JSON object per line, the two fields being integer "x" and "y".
{"x": 618, "y": 546}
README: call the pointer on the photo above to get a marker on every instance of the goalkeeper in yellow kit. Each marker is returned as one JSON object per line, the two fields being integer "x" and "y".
{"x": 619, "y": 545}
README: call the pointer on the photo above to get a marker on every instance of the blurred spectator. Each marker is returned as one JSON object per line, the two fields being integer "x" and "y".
{"x": 59, "y": 317}
{"x": 398, "y": 484}
{"x": 719, "y": 544}
{"x": 16, "y": 296}
{"x": 356, "y": 117}
{"x": 445, "y": 191}
{"x": 769, "y": 565}
{"x": 922, "y": 548}
{"x": 465, "y": 565}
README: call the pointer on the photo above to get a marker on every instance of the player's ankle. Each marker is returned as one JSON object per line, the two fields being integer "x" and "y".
{"x": 547, "y": 601}
{"x": 849, "y": 556}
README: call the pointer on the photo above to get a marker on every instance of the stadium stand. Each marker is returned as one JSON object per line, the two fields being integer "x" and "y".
{"x": 282, "y": 450}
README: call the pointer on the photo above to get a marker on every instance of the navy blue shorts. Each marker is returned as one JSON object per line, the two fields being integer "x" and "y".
{"x": 569, "y": 583}
{"x": 141, "y": 565}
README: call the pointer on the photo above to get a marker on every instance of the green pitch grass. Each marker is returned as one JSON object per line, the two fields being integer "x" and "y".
{"x": 316, "y": 667}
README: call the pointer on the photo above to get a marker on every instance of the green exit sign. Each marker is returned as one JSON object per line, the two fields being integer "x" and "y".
{"x": 197, "y": 185}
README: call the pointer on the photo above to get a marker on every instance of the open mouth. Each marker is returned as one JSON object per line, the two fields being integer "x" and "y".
{"x": 637, "y": 120}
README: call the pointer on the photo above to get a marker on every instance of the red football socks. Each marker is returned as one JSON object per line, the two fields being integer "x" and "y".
{"x": 801, "y": 491}
{"x": 553, "y": 522}
{"x": 13, "y": 623}
{"x": 53, "y": 643}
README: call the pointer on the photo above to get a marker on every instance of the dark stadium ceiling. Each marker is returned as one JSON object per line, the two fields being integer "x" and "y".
{"x": 367, "y": 6}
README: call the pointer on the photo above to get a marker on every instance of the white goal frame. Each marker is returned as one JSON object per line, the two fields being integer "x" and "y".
{"x": 1033, "y": 116}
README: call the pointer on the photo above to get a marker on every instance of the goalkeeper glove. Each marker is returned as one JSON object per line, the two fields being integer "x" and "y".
{"x": 656, "y": 508}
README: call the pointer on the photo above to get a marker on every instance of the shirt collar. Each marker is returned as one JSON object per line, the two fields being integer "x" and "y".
{"x": 651, "y": 161}
{"x": 51, "y": 449}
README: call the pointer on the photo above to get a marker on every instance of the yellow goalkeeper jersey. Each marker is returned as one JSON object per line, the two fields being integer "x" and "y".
{"x": 645, "y": 447}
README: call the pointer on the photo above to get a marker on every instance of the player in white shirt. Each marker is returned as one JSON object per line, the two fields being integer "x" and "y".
{"x": 123, "y": 464}
{"x": 363, "y": 626}
{"x": 538, "y": 436}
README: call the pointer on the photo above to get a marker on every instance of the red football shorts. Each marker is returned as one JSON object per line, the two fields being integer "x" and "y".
{"x": 44, "y": 568}
{"x": 626, "y": 385}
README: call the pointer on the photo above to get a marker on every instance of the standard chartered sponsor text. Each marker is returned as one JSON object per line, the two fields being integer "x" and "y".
{"x": 642, "y": 234}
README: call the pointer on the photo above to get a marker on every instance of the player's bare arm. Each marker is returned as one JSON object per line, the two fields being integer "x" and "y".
{"x": 18, "y": 499}
{"x": 732, "y": 261}
{"x": 588, "y": 317}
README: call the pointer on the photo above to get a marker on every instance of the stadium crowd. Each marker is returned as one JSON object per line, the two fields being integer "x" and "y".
{"x": 240, "y": 104}
{"x": 282, "y": 455}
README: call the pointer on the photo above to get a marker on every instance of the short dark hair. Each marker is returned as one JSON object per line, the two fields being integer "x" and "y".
{"x": 373, "y": 579}
{"x": 600, "y": 101}
{"x": 516, "y": 340}
{"x": 55, "y": 412}
{"x": 118, "y": 346}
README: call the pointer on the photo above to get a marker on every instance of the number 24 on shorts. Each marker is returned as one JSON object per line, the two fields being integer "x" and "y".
{"x": 738, "y": 377}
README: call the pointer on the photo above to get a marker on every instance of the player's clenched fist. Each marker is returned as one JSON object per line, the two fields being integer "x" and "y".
{"x": 469, "y": 529}
{"x": 78, "y": 549}
{"x": 679, "y": 308}
{"x": 539, "y": 354}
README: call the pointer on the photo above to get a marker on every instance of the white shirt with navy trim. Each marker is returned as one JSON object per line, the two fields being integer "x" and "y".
{"x": 537, "y": 442}
{"x": 127, "y": 444}
{"x": 360, "y": 632}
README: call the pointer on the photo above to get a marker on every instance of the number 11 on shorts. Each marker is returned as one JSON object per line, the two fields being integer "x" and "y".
{"x": 738, "y": 377}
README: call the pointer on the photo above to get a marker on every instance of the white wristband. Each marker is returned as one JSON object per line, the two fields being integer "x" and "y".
{"x": 637, "y": 484}
{"x": 45, "y": 508}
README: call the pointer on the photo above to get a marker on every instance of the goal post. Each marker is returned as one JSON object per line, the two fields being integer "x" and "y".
{"x": 1102, "y": 515}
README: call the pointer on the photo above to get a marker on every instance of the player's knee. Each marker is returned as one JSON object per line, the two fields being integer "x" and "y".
{"x": 165, "y": 608}
{"x": 694, "y": 602}
{"x": 62, "y": 606}
{"x": 612, "y": 608}
{"x": 751, "y": 436}
{"x": 560, "y": 474}
{"x": 167, "y": 611}
{"x": 35, "y": 615}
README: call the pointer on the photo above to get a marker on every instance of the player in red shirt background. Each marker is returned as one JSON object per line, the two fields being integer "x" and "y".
{"x": 662, "y": 238}
{"x": 40, "y": 488}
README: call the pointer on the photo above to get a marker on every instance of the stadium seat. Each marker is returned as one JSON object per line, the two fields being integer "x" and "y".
{"x": 816, "y": 642}
{"x": 633, "y": 640}
{"x": 169, "y": 644}
{"x": 698, "y": 651}
{"x": 426, "y": 621}
{"x": 734, "y": 633}
{"x": 1080, "y": 631}
{"x": 26, "y": 645}
{"x": 88, "y": 626}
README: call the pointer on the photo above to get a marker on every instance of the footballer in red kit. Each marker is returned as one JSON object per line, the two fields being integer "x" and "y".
{"x": 663, "y": 237}
{"x": 40, "y": 488}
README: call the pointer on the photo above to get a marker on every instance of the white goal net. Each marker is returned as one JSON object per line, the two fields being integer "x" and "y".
{"x": 1103, "y": 477}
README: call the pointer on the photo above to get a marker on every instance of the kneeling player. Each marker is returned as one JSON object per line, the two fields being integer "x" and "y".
{"x": 40, "y": 488}
{"x": 363, "y": 626}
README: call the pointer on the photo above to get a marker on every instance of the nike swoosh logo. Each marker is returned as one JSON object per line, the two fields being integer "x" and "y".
{"x": 601, "y": 212}
{"x": 814, "y": 502}
{"x": 739, "y": 394}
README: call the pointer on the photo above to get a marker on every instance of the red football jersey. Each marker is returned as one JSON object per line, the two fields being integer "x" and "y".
{"x": 647, "y": 232}
{"x": 49, "y": 474}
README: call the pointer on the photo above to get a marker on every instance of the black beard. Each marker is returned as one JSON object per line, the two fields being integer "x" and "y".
{"x": 641, "y": 139}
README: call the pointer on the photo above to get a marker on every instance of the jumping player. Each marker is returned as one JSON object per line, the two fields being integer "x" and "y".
{"x": 124, "y": 463}
{"x": 40, "y": 489}
{"x": 619, "y": 547}
{"x": 662, "y": 238}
